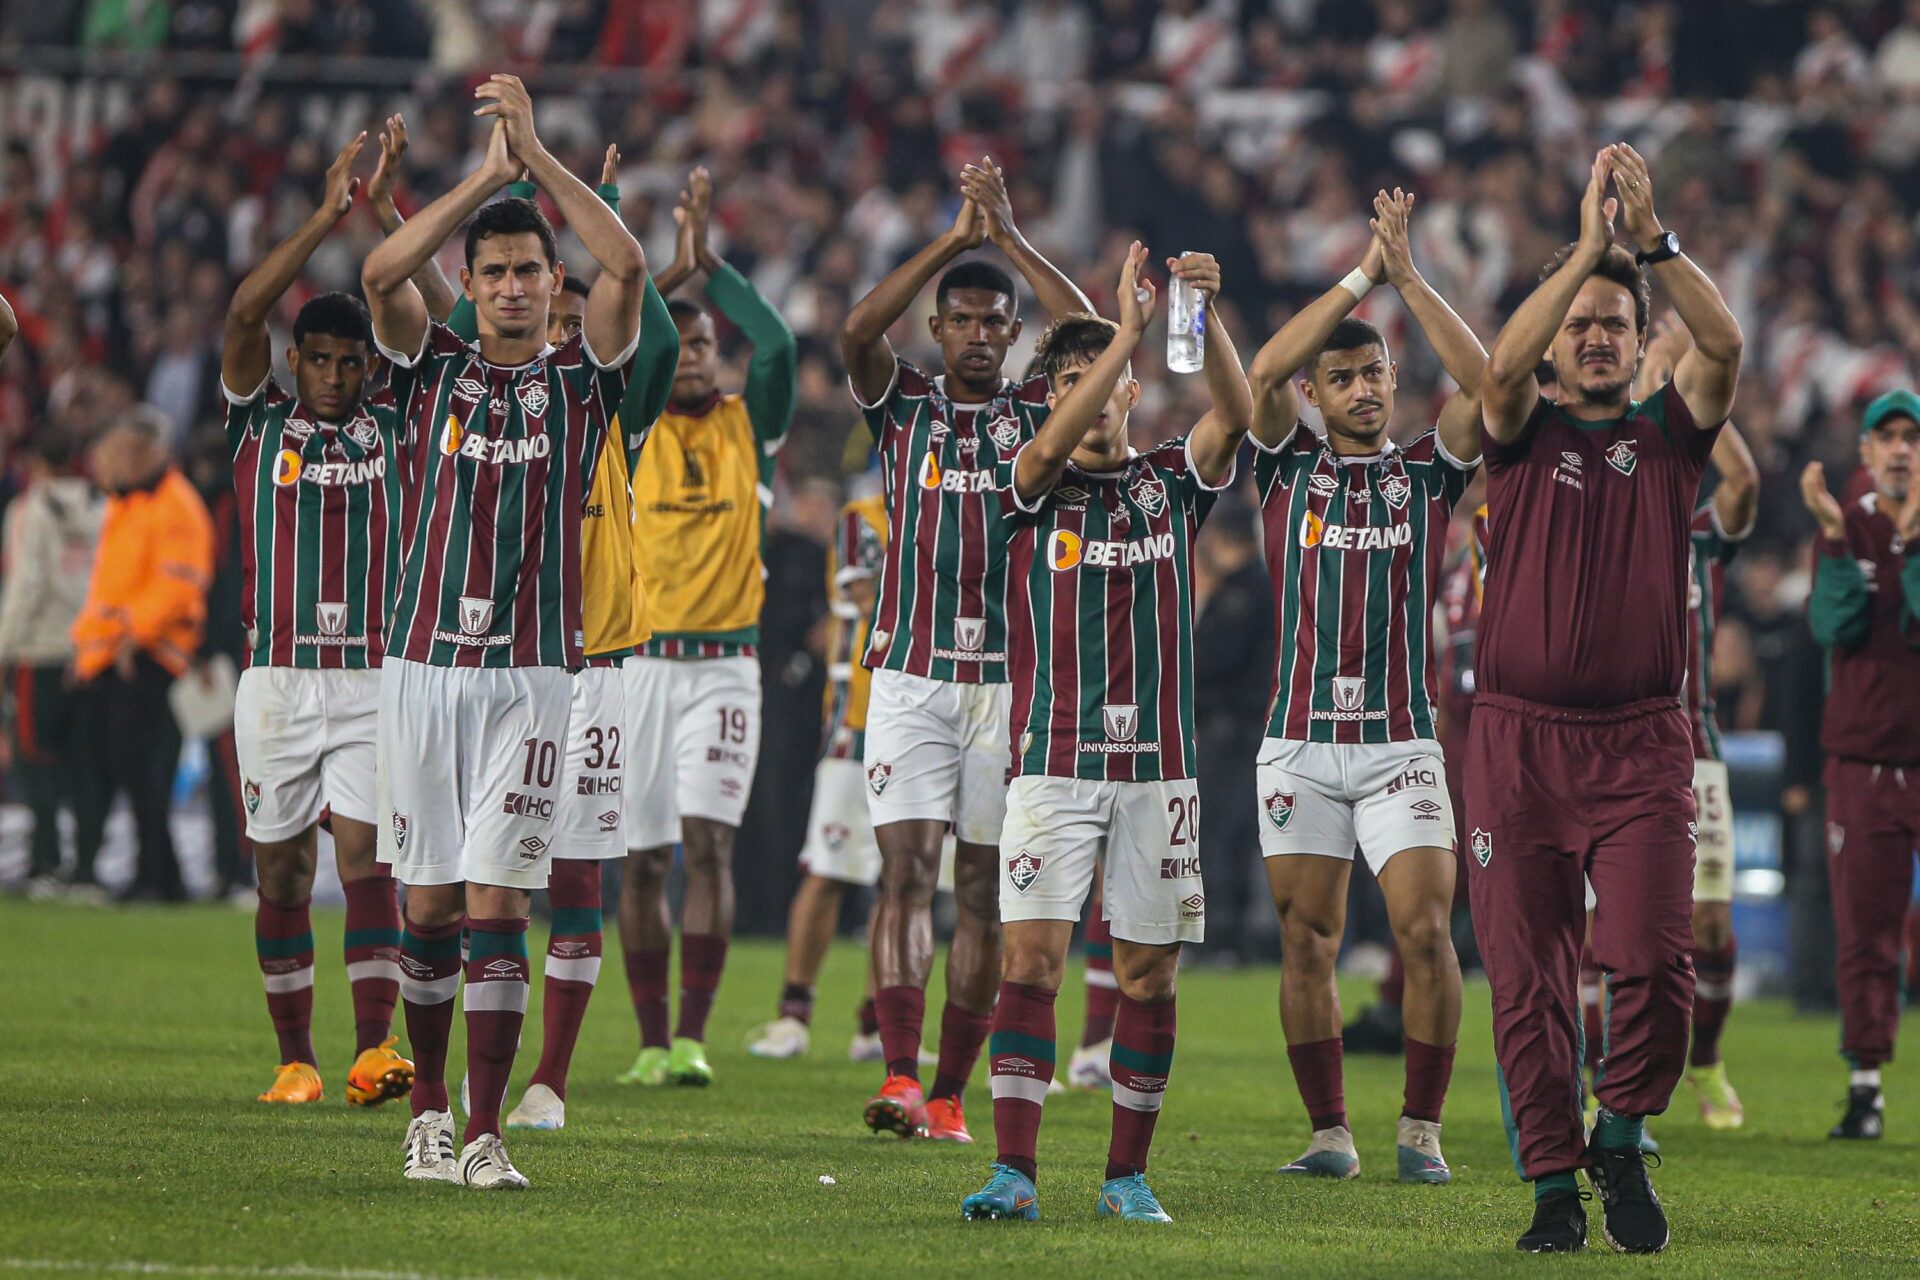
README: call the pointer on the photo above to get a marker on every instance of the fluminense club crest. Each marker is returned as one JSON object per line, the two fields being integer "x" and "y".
{"x": 1396, "y": 490}
{"x": 1121, "y": 720}
{"x": 361, "y": 431}
{"x": 1151, "y": 493}
{"x": 1023, "y": 869}
{"x": 1622, "y": 457}
{"x": 1482, "y": 846}
{"x": 1279, "y": 809}
{"x": 878, "y": 776}
{"x": 250, "y": 792}
{"x": 1004, "y": 431}
{"x": 533, "y": 397}
{"x": 399, "y": 830}
{"x": 476, "y": 615}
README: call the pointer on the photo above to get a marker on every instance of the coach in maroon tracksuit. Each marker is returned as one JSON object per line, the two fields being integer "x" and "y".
{"x": 1579, "y": 757}
{"x": 1865, "y": 610}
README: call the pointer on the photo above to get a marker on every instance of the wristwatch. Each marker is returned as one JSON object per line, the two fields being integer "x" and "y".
{"x": 1667, "y": 248}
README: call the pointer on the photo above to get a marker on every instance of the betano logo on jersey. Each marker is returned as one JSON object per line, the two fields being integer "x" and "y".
{"x": 952, "y": 481}
{"x": 290, "y": 467}
{"x": 1316, "y": 532}
{"x": 1066, "y": 549}
{"x": 456, "y": 439}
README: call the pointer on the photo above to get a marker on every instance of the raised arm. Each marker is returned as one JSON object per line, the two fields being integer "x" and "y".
{"x": 613, "y": 303}
{"x": 1276, "y": 402}
{"x": 1460, "y": 352}
{"x": 8, "y": 327}
{"x": 690, "y": 231}
{"x": 863, "y": 334}
{"x": 399, "y": 314}
{"x": 246, "y": 353}
{"x": 1038, "y": 466}
{"x": 1736, "y": 502}
{"x": 1216, "y": 437}
{"x": 1706, "y": 375}
{"x": 986, "y": 186}
{"x": 432, "y": 284}
{"x": 1509, "y": 391}
{"x": 1839, "y": 608}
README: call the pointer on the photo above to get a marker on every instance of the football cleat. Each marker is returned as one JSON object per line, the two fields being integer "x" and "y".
{"x": 1329, "y": 1155}
{"x": 540, "y": 1108}
{"x": 1087, "y": 1069}
{"x": 687, "y": 1062}
{"x": 1008, "y": 1197}
{"x": 1419, "y": 1152}
{"x": 378, "y": 1074}
{"x": 294, "y": 1082}
{"x": 946, "y": 1122}
{"x": 1865, "y": 1118}
{"x": 1131, "y": 1200}
{"x": 900, "y": 1107}
{"x": 1719, "y": 1104}
{"x": 781, "y": 1038}
{"x": 649, "y": 1069}
{"x": 1559, "y": 1224}
{"x": 1631, "y": 1217}
{"x": 1377, "y": 1029}
{"x": 866, "y": 1048}
{"x": 484, "y": 1166}
{"x": 430, "y": 1148}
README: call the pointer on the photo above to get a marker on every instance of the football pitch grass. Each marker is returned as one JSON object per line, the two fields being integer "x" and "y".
{"x": 134, "y": 1041}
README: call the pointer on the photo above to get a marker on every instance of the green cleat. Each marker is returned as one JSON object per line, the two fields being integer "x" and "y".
{"x": 687, "y": 1063}
{"x": 1719, "y": 1104}
{"x": 649, "y": 1069}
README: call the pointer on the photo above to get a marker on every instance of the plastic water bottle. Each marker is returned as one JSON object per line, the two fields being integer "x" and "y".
{"x": 1186, "y": 327}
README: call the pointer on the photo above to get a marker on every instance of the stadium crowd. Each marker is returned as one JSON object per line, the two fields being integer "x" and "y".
{"x": 140, "y": 182}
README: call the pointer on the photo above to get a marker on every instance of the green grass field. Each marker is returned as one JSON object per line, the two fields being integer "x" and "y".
{"x": 134, "y": 1041}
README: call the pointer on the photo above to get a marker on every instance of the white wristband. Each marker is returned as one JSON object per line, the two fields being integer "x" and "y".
{"x": 1358, "y": 283}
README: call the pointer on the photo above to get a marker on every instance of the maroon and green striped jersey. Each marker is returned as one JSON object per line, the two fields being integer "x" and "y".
{"x": 1356, "y": 546}
{"x": 1100, "y": 615}
{"x": 320, "y": 510}
{"x": 503, "y": 462}
{"x": 941, "y": 608}
{"x": 1713, "y": 550}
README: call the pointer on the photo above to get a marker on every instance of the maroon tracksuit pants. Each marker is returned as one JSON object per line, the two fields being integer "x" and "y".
{"x": 1553, "y": 792}
{"x": 1873, "y": 827}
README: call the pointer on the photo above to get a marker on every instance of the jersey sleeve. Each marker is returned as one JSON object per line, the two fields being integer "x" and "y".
{"x": 1496, "y": 454}
{"x": 1439, "y": 473}
{"x": 856, "y": 548}
{"x": 1175, "y": 459}
{"x": 1031, "y": 397}
{"x": 1689, "y": 439}
{"x": 770, "y": 374}
{"x": 246, "y": 415}
{"x": 1271, "y": 461}
{"x": 1004, "y": 492}
{"x": 1840, "y": 606}
{"x": 651, "y": 379}
{"x": 907, "y": 381}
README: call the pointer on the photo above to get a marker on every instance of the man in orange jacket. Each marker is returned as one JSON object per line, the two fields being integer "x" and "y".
{"x": 145, "y": 611}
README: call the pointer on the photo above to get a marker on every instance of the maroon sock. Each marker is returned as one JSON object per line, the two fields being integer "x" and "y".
{"x": 869, "y": 1018}
{"x": 703, "y": 956}
{"x": 1019, "y": 1069}
{"x": 1142, "y": 1060}
{"x": 498, "y": 981}
{"x": 1593, "y": 1026}
{"x": 901, "y": 1011}
{"x": 1317, "y": 1071}
{"x": 573, "y": 966}
{"x": 373, "y": 957}
{"x": 429, "y": 979}
{"x": 1393, "y": 987}
{"x": 796, "y": 1002}
{"x": 1712, "y": 1000}
{"x": 962, "y": 1032}
{"x": 1429, "y": 1068}
{"x": 1103, "y": 993}
{"x": 647, "y": 980}
{"x": 283, "y": 944}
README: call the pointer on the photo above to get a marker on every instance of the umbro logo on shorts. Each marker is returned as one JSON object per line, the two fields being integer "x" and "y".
{"x": 1023, "y": 869}
{"x": 1425, "y": 811}
{"x": 610, "y": 820}
{"x": 1482, "y": 846}
{"x": 1280, "y": 808}
{"x": 878, "y": 777}
{"x": 532, "y": 847}
{"x": 1193, "y": 907}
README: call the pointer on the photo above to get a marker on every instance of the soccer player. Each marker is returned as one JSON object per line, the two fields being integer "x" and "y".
{"x": 1579, "y": 757}
{"x": 1865, "y": 610}
{"x": 317, "y": 474}
{"x": 476, "y": 689}
{"x": 614, "y": 618}
{"x": 701, "y": 497}
{"x": 1356, "y": 544}
{"x": 1100, "y": 618}
{"x": 937, "y": 718}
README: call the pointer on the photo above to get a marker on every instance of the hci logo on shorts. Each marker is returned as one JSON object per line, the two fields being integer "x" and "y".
{"x": 968, "y": 633}
{"x": 1280, "y": 808}
{"x": 476, "y": 615}
{"x": 1482, "y": 846}
{"x": 250, "y": 792}
{"x": 399, "y": 830}
{"x": 879, "y": 776}
{"x": 1023, "y": 869}
{"x": 1121, "y": 720}
{"x": 1349, "y": 692}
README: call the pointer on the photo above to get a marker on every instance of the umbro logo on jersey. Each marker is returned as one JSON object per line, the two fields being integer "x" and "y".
{"x": 476, "y": 615}
{"x": 533, "y": 398}
{"x": 1396, "y": 490}
{"x": 1121, "y": 720}
{"x": 399, "y": 830}
{"x": 332, "y": 617}
{"x": 1069, "y": 493}
{"x": 1323, "y": 484}
{"x": 297, "y": 429}
{"x": 1279, "y": 805}
{"x": 471, "y": 388}
{"x": 1004, "y": 431}
{"x": 1568, "y": 472}
{"x": 969, "y": 633}
{"x": 250, "y": 792}
{"x": 1316, "y": 532}
{"x": 878, "y": 776}
{"x": 1623, "y": 457}
{"x": 1066, "y": 549}
{"x": 1482, "y": 846}
{"x": 1151, "y": 493}
{"x": 1023, "y": 869}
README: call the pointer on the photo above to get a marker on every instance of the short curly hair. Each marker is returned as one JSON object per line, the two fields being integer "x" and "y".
{"x": 1072, "y": 340}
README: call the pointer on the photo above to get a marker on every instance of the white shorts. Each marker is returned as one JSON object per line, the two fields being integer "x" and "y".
{"x": 1326, "y": 797}
{"x": 589, "y": 823}
{"x": 693, "y": 740}
{"x": 1146, "y": 834}
{"x": 305, "y": 743}
{"x": 1713, "y": 850}
{"x": 471, "y": 765}
{"x": 937, "y": 750}
{"x": 840, "y": 843}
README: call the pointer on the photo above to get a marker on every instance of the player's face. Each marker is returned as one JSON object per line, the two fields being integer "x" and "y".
{"x": 566, "y": 317}
{"x": 330, "y": 374}
{"x": 1598, "y": 346}
{"x": 1353, "y": 390}
{"x": 1891, "y": 451}
{"x": 512, "y": 285}
{"x": 698, "y": 372}
{"x": 974, "y": 330}
{"x": 1108, "y": 434}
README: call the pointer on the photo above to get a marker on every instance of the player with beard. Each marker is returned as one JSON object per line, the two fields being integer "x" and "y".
{"x": 936, "y": 750}
{"x": 1580, "y": 757}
